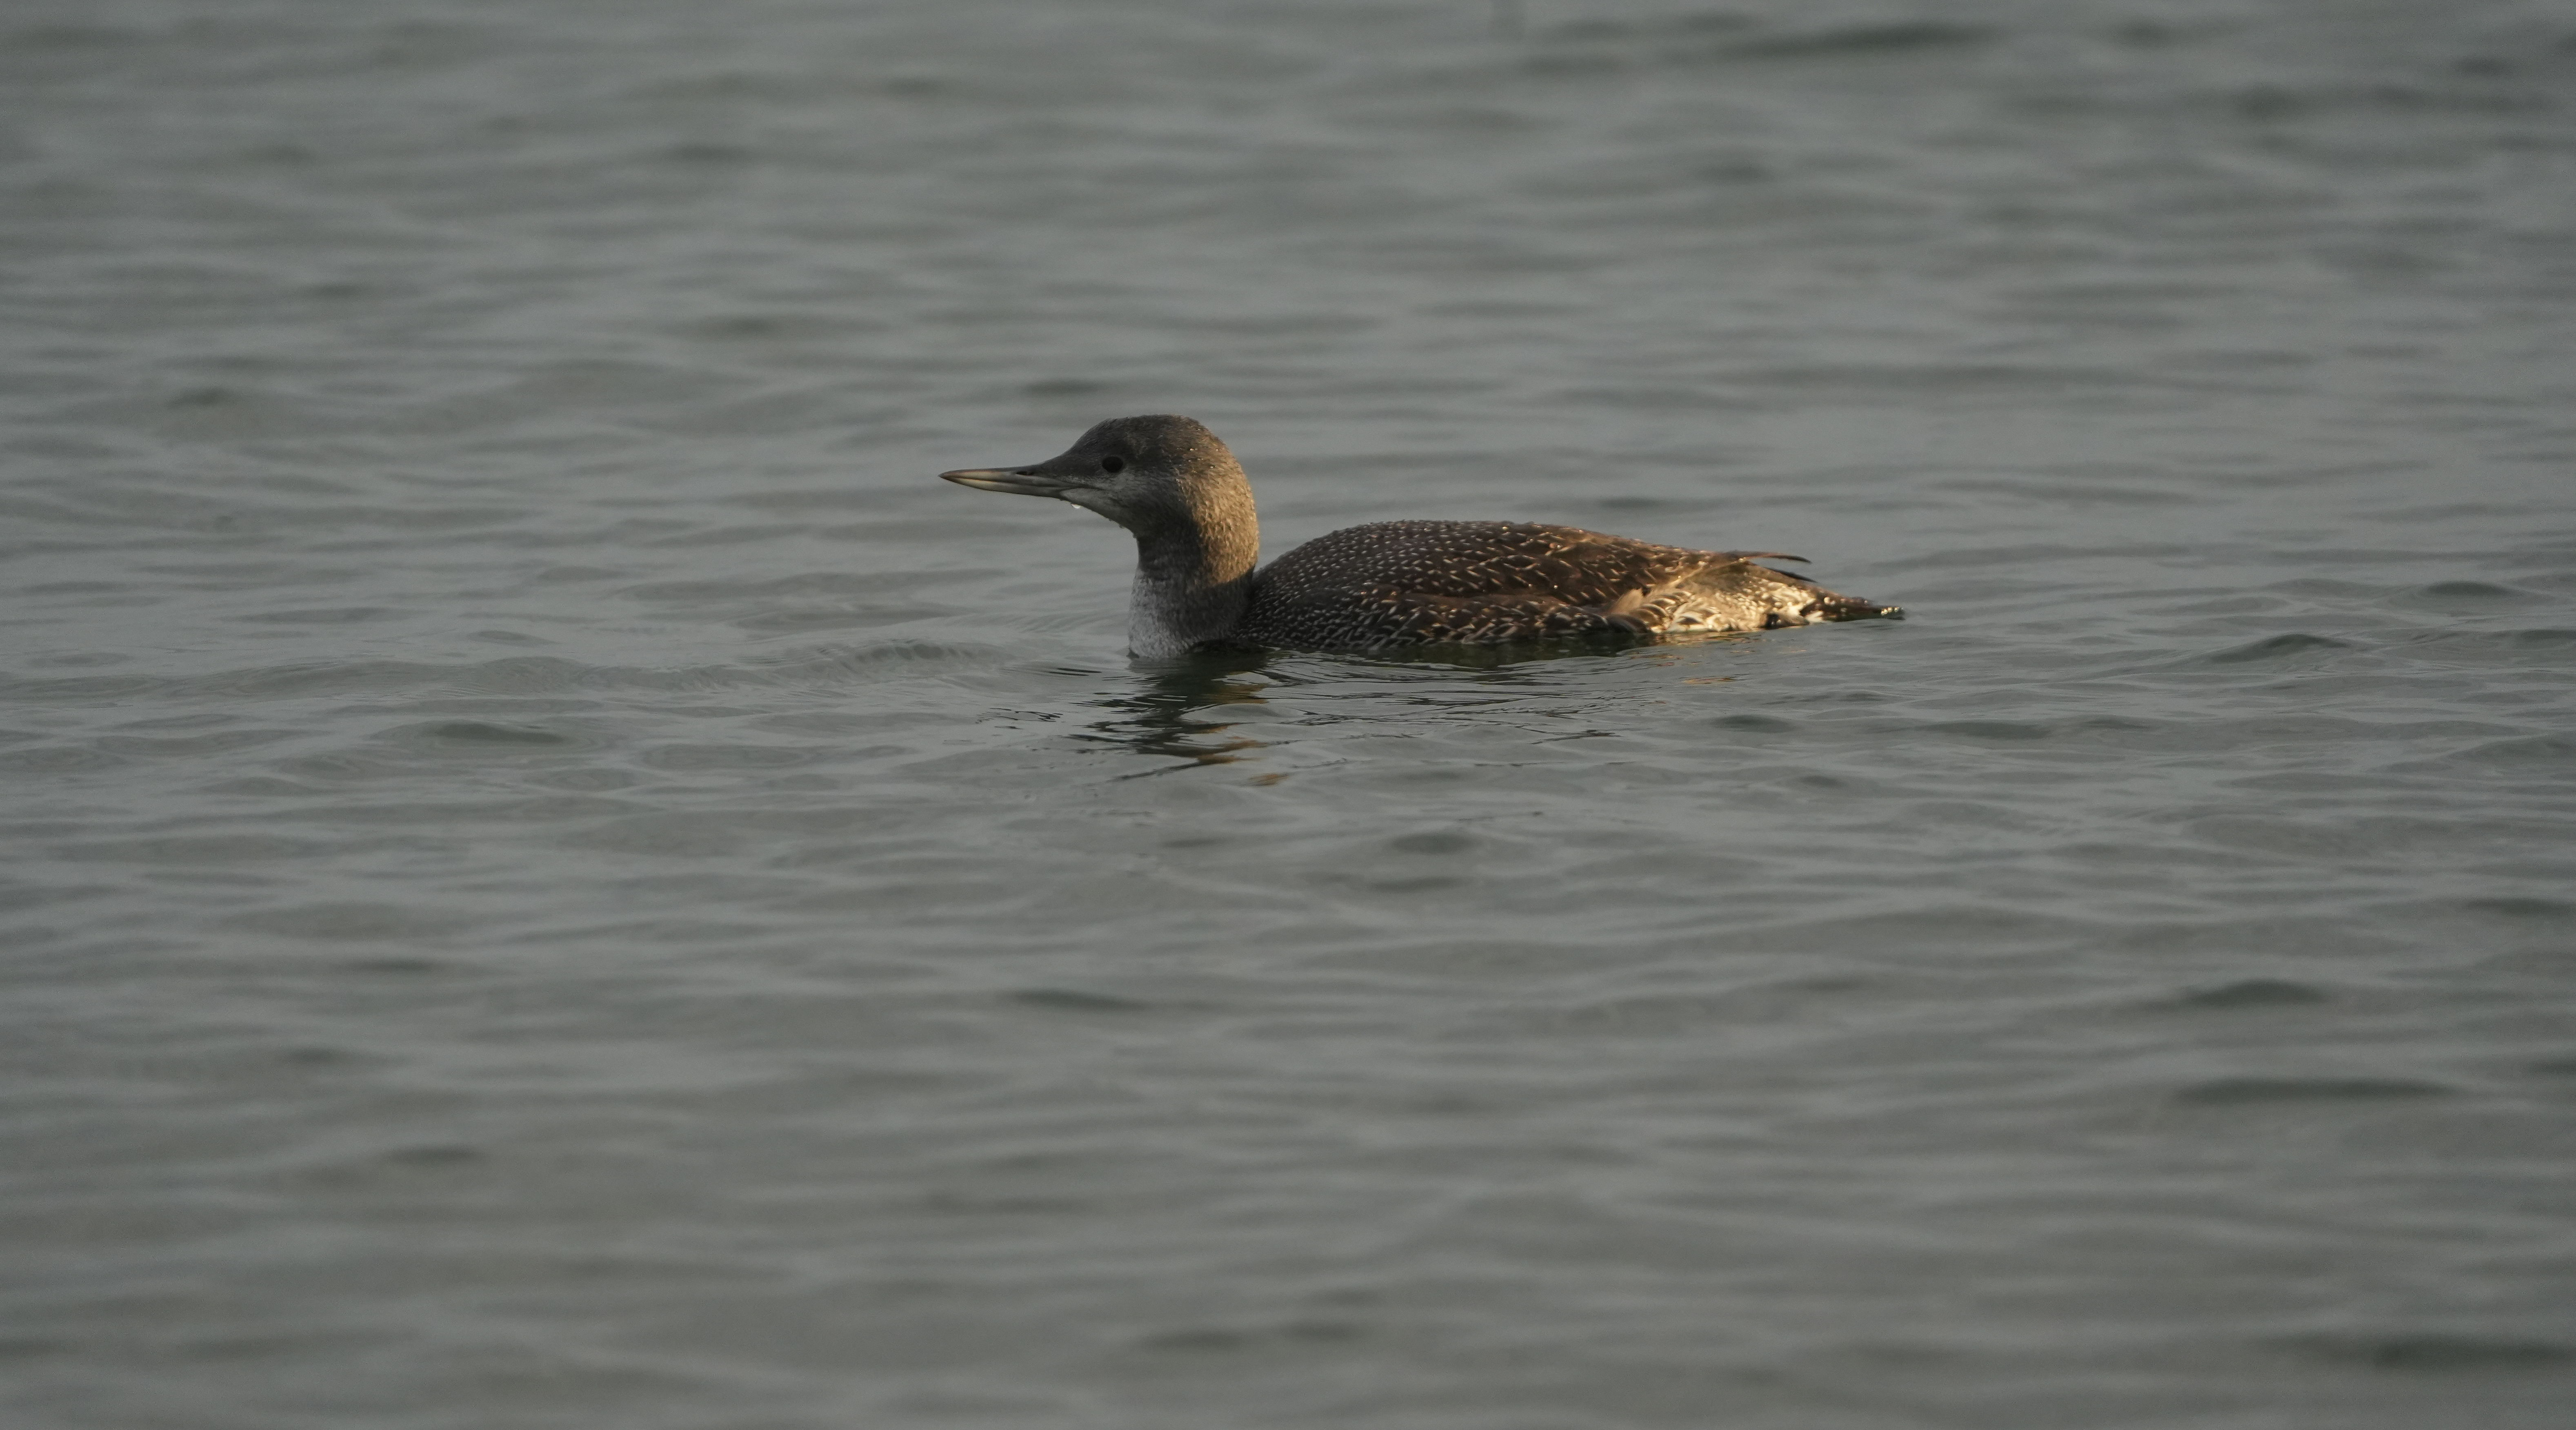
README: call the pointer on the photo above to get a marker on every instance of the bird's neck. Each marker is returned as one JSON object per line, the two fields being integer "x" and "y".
{"x": 1193, "y": 581}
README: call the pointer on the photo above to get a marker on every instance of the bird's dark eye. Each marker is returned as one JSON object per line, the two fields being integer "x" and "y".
{"x": 1113, "y": 465}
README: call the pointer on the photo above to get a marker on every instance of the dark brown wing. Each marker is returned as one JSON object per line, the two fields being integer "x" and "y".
{"x": 1395, "y": 583}
{"x": 1413, "y": 618}
{"x": 1416, "y": 582}
{"x": 1483, "y": 558}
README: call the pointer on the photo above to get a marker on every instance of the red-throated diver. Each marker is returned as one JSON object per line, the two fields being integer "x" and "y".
{"x": 1389, "y": 583}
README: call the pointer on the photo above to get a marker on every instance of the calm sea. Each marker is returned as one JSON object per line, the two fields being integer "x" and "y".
{"x": 556, "y": 877}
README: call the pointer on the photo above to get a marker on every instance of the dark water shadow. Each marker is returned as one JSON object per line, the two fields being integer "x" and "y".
{"x": 1162, "y": 714}
{"x": 1506, "y": 660}
{"x": 1175, "y": 708}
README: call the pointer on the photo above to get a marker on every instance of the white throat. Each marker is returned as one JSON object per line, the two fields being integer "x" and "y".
{"x": 1154, "y": 619}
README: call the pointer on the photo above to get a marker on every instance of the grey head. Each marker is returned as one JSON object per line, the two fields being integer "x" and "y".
{"x": 1176, "y": 487}
{"x": 1143, "y": 473}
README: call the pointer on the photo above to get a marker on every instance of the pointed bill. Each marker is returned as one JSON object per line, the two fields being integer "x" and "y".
{"x": 1013, "y": 481}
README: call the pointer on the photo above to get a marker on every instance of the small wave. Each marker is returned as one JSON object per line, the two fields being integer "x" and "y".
{"x": 79, "y": 689}
{"x": 2436, "y": 1351}
{"x": 2252, "y": 993}
{"x": 1994, "y": 730}
{"x": 788, "y": 620}
{"x": 56, "y": 759}
{"x": 691, "y": 759}
{"x": 812, "y": 583}
{"x": 1222, "y": 1340}
{"x": 238, "y": 847}
{"x": 477, "y": 732}
{"x": 536, "y": 675}
{"x": 1718, "y": 35}
{"x": 2549, "y": 752}
{"x": 2488, "y": 646}
{"x": 213, "y": 742}
{"x": 66, "y": 35}
{"x": 346, "y": 920}
{"x": 1074, "y": 1000}
{"x": 1699, "y": 23}
{"x": 336, "y": 677}
{"x": 2469, "y": 592}
{"x": 2251, "y": 1091}
{"x": 434, "y": 1154}
{"x": 2275, "y": 648}
{"x": 2521, "y": 908}
{"x": 1885, "y": 38}
{"x": 836, "y": 664}
{"x": 475, "y": 740}
{"x": 319, "y": 616}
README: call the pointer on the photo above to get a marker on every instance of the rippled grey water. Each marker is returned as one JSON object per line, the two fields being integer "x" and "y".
{"x": 557, "y": 878}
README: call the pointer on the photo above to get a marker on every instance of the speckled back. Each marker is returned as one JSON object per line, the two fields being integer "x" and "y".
{"x": 1394, "y": 583}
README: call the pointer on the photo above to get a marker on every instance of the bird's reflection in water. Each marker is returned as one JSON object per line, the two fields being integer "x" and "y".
{"x": 1165, "y": 712}
{"x": 1161, "y": 715}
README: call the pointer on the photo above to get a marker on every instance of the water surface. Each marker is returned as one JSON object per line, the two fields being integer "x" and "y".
{"x": 557, "y": 877}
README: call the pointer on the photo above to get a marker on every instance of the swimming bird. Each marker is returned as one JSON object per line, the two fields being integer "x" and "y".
{"x": 1389, "y": 584}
